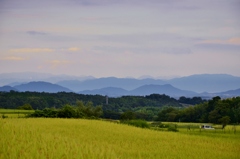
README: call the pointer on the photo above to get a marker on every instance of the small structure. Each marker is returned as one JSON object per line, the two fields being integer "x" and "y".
{"x": 205, "y": 126}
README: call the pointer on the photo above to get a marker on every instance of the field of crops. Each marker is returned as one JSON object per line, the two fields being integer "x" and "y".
{"x": 14, "y": 113}
{"x": 80, "y": 138}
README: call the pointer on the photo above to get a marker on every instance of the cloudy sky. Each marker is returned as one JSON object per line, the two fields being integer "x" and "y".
{"x": 122, "y": 38}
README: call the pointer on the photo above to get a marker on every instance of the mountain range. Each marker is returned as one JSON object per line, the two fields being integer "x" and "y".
{"x": 142, "y": 91}
{"x": 198, "y": 83}
{"x": 205, "y": 85}
{"x": 36, "y": 87}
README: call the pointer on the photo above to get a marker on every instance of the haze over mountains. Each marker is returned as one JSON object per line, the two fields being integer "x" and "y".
{"x": 205, "y": 85}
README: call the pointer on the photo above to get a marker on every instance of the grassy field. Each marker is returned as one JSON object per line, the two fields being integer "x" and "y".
{"x": 14, "y": 113}
{"x": 79, "y": 138}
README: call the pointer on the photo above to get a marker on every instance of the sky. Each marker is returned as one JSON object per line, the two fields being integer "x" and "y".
{"x": 121, "y": 38}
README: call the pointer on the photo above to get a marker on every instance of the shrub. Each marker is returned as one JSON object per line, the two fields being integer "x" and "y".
{"x": 159, "y": 124}
{"x": 173, "y": 127}
{"x": 25, "y": 107}
{"x": 137, "y": 123}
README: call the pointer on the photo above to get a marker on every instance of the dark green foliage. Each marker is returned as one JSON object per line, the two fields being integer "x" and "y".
{"x": 159, "y": 125}
{"x": 46, "y": 112}
{"x": 25, "y": 107}
{"x": 128, "y": 115}
{"x": 145, "y": 108}
{"x": 111, "y": 115}
{"x": 168, "y": 114}
{"x": 191, "y": 101}
{"x": 88, "y": 110}
{"x": 68, "y": 111}
{"x": 173, "y": 127}
{"x": 137, "y": 123}
{"x": 12, "y": 99}
{"x": 224, "y": 121}
{"x": 151, "y": 107}
{"x": 214, "y": 111}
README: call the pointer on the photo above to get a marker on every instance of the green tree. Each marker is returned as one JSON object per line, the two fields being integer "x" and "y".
{"x": 224, "y": 121}
{"x": 26, "y": 107}
{"x": 167, "y": 114}
{"x": 128, "y": 115}
{"x": 67, "y": 111}
{"x": 214, "y": 116}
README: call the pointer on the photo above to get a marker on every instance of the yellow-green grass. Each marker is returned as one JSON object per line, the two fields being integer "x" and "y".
{"x": 80, "y": 138}
{"x": 14, "y": 113}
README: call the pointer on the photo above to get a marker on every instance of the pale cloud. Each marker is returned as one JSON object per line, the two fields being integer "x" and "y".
{"x": 31, "y": 50}
{"x": 231, "y": 41}
{"x": 120, "y": 38}
{"x": 56, "y": 63}
{"x": 42, "y": 50}
{"x": 36, "y": 33}
{"x": 13, "y": 58}
{"x": 73, "y": 49}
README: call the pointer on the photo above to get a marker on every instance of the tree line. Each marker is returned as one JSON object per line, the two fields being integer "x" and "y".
{"x": 216, "y": 111}
{"x": 14, "y": 99}
{"x": 152, "y": 107}
{"x": 80, "y": 110}
{"x": 145, "y": 107}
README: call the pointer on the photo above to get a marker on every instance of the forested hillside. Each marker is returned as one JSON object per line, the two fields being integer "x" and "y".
{"x": 144, "y": 106}
{"x": 216, "y": 110}
{"x": 43, "y": 100}
{"x": 151, "y": 107}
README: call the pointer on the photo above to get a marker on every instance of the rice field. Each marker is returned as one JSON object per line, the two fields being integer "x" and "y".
{"x": 14, "y": 113}
{"x": 39, "y": 138}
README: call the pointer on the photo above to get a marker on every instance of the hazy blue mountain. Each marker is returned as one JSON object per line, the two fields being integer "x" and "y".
{"x": 162, "y": 89}
{"x": 7, "y": 89}
{"x": 230, "y": 93}
{"x": 124, "y": 83}
{"x": 143, "y": 90}
{"x": 226, "y": 94}
{"x": 41, "y": 87}
{"x": 197, "y": 83}
{"x": 16, "y": 83}
{"x": 206, "y": 83}
{"x": 109, "y": 91}
{"x": 25, "y": 77}
{"x": 212, "y": 83}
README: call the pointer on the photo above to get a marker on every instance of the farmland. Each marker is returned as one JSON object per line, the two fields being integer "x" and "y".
{"x": 81, "y": 138}
{"x": 14, "y": 113}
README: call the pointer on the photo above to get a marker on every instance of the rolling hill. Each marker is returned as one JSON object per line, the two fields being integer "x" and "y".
{"x": 7, "y": 89}
{"x": 206, "y": 85}
{"x": 142, "y": 91}
{"x": 99, "y": 83}
{"x": 211, "y": 83}
{"x": 162, "y": 89}
{"x": 41, "y": 87}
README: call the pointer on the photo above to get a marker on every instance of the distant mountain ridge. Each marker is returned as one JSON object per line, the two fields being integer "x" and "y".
{"x": 207, "y": 83}
{"x": 197, "y": 83}
{"x": 161, "y": 89}
{"x": 109, "y": 91}
{"x": 13, "y": 79}
{"x": 124, "y": 83}
{"x": 41, "y": 87}
{"x": 158, "y": 89}
{"x": 211, "y": 84}
{"x": 7, "y": 89}
{"x": 144, "y": 90}
{"x": 141, "y": 91}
